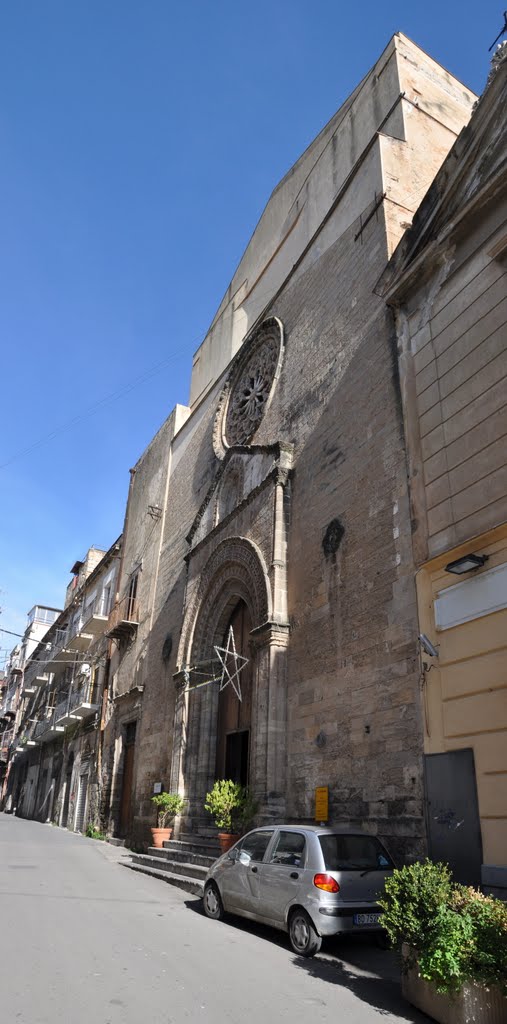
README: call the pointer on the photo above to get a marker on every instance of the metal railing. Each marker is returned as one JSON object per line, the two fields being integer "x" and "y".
{"x": 126, "y": 610}
{"x": 99, "y": 606}
{"x": 56, "y": 644}
{"x": 6, "y": 741}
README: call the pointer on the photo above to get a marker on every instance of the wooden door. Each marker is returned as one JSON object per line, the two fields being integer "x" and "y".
{"x": 128, "y": 779}
{"x": 234, "y": 715}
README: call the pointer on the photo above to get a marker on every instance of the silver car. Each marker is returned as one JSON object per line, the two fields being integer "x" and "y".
{"x": 310, "y": 882}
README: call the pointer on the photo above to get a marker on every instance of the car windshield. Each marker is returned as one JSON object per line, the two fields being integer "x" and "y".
{"x": 354, "y": 853}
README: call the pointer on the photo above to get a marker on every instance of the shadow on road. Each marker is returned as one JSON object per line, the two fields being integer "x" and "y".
{"x": 356, "y": 963}
{"x": 373, "y": 985}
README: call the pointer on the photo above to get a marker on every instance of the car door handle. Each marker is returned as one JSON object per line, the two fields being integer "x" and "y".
{"x": 254, "y": 871}
{"x": 294, "y": 874}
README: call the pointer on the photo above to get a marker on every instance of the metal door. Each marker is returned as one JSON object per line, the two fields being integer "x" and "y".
{"x": 81, "y": 803}
{"x": 452, "y": 813}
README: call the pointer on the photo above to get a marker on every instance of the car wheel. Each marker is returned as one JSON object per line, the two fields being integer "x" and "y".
{"x": 212, "y": 902}
{"x": 303, "y": 937}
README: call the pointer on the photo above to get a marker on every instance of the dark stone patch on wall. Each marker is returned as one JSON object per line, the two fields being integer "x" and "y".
{"x": 332, "y": 537}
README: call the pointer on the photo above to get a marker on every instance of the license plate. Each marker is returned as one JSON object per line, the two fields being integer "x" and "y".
{"x": 366, "y": 918}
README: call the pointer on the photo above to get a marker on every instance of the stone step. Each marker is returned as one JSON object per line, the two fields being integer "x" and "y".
{"x": 185, "y": 856}
{"x": 195, "y": 839}
{"x": 172, "y": 866}
{"x": 206, "y": 849}
{"x": 192, "y": 885}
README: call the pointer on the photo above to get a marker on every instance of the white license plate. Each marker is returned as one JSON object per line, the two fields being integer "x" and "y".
{"x": 366, "y": 918}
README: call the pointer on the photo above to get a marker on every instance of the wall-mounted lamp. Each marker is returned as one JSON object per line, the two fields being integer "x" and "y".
{"x": 427, "y": 646}
{"x": 466, "y": 564}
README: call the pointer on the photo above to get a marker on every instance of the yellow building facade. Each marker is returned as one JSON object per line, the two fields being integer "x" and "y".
{"x": 447, "y": 285}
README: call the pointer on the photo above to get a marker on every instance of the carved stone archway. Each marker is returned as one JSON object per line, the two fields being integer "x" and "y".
{"x": 234, "y": 572}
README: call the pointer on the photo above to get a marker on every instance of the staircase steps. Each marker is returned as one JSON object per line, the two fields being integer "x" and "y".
{"x": 183, "y": 862}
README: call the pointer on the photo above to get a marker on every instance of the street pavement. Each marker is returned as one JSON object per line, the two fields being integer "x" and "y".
{"x": 83, "y": 940}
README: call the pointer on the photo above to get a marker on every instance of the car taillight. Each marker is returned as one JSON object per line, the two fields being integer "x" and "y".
{"x": 326, "y": 882}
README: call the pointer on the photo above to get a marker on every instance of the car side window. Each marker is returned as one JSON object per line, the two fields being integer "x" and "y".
{"x": 254, "y": 847}
{"x": 289, "y": 849}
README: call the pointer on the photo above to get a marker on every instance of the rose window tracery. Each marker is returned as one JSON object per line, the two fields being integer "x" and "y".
{"x": 249, "y": 388}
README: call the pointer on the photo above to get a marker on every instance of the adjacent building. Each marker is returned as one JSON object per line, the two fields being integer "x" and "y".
{"x": 55, "y": 761}
{"x": 447, "y": 285}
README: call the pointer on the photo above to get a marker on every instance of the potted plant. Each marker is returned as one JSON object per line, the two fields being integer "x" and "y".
{"x": 232, "y": 809}
{"x": 168, "y": 806}
{"x": 453, "y": 942}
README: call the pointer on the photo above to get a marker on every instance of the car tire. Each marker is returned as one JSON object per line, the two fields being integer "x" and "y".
{"x": 302, "y": 935}
{"x": 212, "y": 902}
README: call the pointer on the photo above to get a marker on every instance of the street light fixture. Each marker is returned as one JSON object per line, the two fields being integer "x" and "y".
{"x": 467, "y": 563}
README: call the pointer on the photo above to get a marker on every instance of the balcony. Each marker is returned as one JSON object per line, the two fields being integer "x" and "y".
{"x": 80, "y": 704}
{"x": 47, "y": 730}
{"x": 6, "y": 740}
{"x": 59, "y": 653}
{"x": 35, "y": 675}
{"x": 79, "y": 642}
{"x": 95, "y": 617}
{"x": 63, "y": 714}
{"x": 123, "y": 620}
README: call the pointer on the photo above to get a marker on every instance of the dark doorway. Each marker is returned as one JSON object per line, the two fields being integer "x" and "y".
{"x": 233, "y": 727}
{"x": 236, "y": 756}
{"x": 66, "y": 798}
{"x": 454, "y": 828}
{"x": 128, "y": 779}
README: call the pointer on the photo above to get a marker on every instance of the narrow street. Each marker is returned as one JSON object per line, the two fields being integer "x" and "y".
{"x": 84, "y": 939}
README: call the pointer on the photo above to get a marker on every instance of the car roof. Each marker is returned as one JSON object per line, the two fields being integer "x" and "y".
{"x": 320, "y": 830}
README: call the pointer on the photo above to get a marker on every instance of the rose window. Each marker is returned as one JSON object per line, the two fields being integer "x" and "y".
{"x": 250, "y": 386}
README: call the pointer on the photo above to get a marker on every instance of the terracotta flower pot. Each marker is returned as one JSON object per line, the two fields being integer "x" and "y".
{"x": 226, "y": 840}
{"x": 161, "y": 836}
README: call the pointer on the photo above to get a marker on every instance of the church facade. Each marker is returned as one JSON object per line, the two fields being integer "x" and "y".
{"x": 266, "y": 623}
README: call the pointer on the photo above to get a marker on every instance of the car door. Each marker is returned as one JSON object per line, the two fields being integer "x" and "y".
{"x": 239, "y": 878}
{"x": 281, "y": 877}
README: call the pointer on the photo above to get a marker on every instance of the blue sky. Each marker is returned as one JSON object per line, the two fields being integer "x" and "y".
{"x": 139, "y": 144}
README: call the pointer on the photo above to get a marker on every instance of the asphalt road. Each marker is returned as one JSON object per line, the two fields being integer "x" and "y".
{"x": 83, "y": 939}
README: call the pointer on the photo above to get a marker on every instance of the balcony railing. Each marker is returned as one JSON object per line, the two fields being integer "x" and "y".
{"x": 95, "y": 616}
{"x": 123, "y": 619}
{"x": 47, "y": 729}
{"x": 81, "y": 702}
{"x": 6, "y": 740}
{"x": 53, "y": 647}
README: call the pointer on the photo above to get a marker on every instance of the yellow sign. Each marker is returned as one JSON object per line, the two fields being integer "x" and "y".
{"x": 322, "y": 803}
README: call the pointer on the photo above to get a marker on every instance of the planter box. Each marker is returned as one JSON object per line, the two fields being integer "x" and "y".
{"x": 473, "y": 1005}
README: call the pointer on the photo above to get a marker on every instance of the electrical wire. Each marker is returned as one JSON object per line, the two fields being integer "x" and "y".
{"x": 136, "y": 382}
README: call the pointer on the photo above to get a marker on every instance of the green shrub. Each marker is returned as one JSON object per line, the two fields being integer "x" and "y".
{"x": 94, "y": 833}
{"x": 231, "y": 806}
{"x": 168, "y": 806}
{"x": 454, "y": 933}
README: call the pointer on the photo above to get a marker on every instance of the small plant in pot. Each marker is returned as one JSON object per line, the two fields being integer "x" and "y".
{"x": 168, "y": 806}
{"x": 453, "y": 942}
{"x": 232, "y": 809}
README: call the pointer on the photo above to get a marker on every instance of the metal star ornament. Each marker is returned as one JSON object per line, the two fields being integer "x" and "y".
{"x": 224, "y": 654}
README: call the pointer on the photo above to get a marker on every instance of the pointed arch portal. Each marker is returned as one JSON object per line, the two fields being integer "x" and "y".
{"x": 217, "y": 735}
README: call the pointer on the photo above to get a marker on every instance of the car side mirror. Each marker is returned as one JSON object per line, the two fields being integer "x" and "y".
{"x": 233, "y": 855}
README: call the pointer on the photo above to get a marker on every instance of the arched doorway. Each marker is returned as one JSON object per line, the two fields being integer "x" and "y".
{"x": 214, "y": 734}
{"x": 234, "y": 715}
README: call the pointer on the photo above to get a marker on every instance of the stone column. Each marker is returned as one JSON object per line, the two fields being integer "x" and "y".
{"x": 269, "y": 720}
